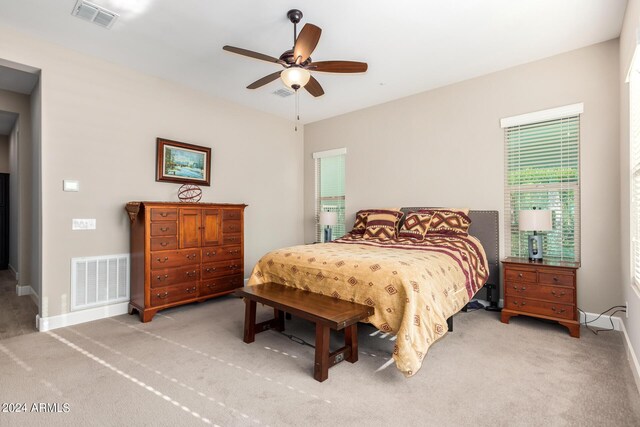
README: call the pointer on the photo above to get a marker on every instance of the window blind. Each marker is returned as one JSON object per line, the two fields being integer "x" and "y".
{"x": 634, "y": 115}
{"x": 330, "y": 190}
{"x": 542, "y": 161}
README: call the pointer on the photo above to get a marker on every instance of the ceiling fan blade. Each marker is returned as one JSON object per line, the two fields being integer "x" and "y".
{"x": 263, "y": 81}
{"x": 314, "y": 88}
{"x": 305, "y": 43}
{"x": 251, "y": 54}
{"x": 338, "y": 66}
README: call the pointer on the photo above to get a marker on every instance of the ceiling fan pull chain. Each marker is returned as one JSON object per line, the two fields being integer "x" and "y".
{"x": 297, "y": 118}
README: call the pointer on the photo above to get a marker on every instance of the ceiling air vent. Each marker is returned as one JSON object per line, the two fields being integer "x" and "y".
{"x": 283, "y": 93}
{"x": 94, "y": 13}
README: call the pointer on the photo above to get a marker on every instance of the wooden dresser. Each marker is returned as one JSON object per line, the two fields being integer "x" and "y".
{"x": 546, "y": 290}
{"x": 183, "y": 252}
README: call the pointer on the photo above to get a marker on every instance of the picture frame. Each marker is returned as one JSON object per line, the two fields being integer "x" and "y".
{"x": 182, "y": 163}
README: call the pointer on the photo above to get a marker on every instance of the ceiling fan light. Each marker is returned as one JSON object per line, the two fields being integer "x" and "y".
{"x": 295, "y": 76}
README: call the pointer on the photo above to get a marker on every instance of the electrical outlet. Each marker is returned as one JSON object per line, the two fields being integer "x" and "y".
{"x": 83, "y": 224}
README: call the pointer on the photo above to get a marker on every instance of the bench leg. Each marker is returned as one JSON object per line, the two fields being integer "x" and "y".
{"x": 279, "y": 319}
{"x": 351, "y": 342}
{"x": 249, "y": 321}
{"x": 321, "y": 366}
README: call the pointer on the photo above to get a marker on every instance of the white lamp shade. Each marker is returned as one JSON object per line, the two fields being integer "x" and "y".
{"x": 295, "y": 76}
{"x": 328, "y": 218}
{"x": 534, "y": 220}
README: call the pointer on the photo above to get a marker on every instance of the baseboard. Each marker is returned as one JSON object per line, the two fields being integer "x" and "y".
{"x": 631, "y": 355}
{"x": 14, "y": 272}
{"x": 23, "y": 290}
{"x": 245, "y": 281}
{"x": 82, "y": 316}
{"x": 604, "y": 322}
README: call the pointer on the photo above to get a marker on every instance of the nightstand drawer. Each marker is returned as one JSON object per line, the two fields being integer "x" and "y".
{"x": 521, "y": 275}
{"x": 541, "y": 292}
{"x": 553, "y": 278}
{"x": 544, "y": 308}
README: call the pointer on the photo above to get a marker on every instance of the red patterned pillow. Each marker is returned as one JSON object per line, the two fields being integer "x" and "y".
{"x": 361, "y": 218}
{"x": 381, "y": 226}
{"x": 448, "y": 221}
{"x": 415, "y": 225}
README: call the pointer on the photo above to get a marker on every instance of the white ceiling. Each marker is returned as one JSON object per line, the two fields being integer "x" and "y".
{"x": 410, "y": 46}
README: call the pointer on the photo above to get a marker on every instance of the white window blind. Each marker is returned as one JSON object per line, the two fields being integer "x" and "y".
{"x": 542, "y": 161}
{"x": 330, "y": 192}
{"x": 634, "y": 116}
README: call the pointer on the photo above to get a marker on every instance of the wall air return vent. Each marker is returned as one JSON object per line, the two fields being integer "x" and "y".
{"x": 97, "y": 281}
{"x": 283, "y": 93}
{"x": 94, "y": 13}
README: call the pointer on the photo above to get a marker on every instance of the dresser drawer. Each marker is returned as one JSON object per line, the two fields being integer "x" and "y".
{"x": 163, "y": 243}
{"x": 521, "y": 275}
{"x": 168, "y": 228}
{"x": 172, "y": 276}
{"x": 561, "y": 311}
{"x": 171, "y": 294}
{"x": 221, "y": 253}
{"x": 553, "y": 278}
{"x": 542, "y": 292}
{"x": 221, "y": 284}
{"x": 229, "y": 239}
{"x": 231, "y": 214}
{"x": 222, "y": 268}
{"x": 164, "y": 214}
{"x": 231, "y": 226}
{"x": 168, "y": 259}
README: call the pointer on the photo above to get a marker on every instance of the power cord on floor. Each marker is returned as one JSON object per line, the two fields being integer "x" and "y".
{"x": 622, "y": 309}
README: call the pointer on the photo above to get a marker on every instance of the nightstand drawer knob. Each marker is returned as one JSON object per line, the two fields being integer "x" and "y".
{"x": 519, "y": 274}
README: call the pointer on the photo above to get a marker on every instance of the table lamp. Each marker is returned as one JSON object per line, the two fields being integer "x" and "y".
{"x": 328, "y": 219}
{"x": 535, "y": 220}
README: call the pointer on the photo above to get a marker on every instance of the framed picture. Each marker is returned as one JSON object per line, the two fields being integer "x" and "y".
{"x": 182, "y": 163}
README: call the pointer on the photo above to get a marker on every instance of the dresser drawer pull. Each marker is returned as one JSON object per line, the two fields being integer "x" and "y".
{"x": 165, "y": 259}
{"x": 522, "y": 289}
{"x": 191, "y": 273}
{"x": 232, "y": 239}
{"x": 237, "y": 251}
{"x": 191, "y": 290}
{"x": 164, "y": 228}
{"x": 164, "y": 243}
{"x": 522, "y": 304}
{"x": 162, "y": 277}
{"x": 163, "y": 296}
{"x": 559, "y": 311}
{"x": 555, "y": 278}
{"x": 191, "y": 256}
{"x": 164, "y": 214}
{"x": 562, "y": 293}
{"x": 519, "y": 274}
{"x": 210, "y": 269}
{"x": 211, "y": 253}
{"x": 233, "y": 267}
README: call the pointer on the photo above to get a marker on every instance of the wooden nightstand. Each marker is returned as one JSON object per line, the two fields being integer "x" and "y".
{"x": 546, "y": 290}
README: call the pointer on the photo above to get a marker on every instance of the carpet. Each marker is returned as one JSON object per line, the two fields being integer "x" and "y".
{"x": 189, "y": 366}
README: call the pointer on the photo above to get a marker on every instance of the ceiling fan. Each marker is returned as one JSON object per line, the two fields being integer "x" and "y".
{"x": 297, "y": 62}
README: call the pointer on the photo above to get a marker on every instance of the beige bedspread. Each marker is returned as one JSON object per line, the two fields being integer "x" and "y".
{"x": 414, "y": 287}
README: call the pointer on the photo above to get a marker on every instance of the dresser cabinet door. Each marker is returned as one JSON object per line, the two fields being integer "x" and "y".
{"x": 190, "y": 228}
{"x": 211, "y": 222}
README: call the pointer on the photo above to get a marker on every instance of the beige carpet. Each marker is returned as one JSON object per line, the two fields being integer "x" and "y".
{"x": 190, "y": 367}
{"x": 17, "y": 314}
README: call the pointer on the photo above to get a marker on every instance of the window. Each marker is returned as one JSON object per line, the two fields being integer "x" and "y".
{"x": 330, "y": 177}
{"x": 634, "y": 141}
{"x": 542, "y": 171}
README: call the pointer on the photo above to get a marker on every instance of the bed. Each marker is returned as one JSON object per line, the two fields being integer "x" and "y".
{"x": 413, "y": 286}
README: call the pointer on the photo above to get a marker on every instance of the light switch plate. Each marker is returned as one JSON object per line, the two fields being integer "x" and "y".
{"x": 83, "y": 224}
{"x": 70, "y": 185}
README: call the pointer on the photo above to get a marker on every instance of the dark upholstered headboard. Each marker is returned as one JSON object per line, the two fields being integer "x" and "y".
{"x": 484, "y": 226}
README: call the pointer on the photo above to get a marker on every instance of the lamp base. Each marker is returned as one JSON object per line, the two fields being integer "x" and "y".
{"x": 535, "y": 248}
{"x": 327, "y": 234}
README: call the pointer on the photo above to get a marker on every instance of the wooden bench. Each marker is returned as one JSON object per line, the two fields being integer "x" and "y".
{"x": 326, "y": 312}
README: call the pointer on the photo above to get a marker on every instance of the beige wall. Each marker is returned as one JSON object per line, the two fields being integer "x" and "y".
{"x": 4, "y": 154}
{"x": 99, "y": 125}
{"x": 627, "y": 47}
{"x": 20, "y": 185}
{"x": 445, "y": 148}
